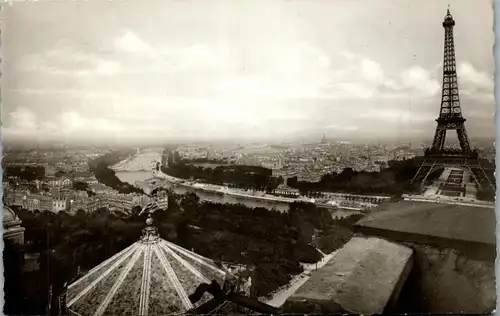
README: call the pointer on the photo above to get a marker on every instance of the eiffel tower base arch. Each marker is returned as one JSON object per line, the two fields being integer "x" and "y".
{"x": 472, "y": 165}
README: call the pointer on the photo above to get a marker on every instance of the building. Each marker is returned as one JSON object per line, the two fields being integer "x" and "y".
{"x": 33, "y": 202}
{"x": 150, "y": 277}
{"x": 164, "y": 158}
{"x": 99, "y": 188}
{"x": 119, "y": 202}
{"x": 61, "y": 182}
{"x": 12, "y": 229}
{"x": 141, "y": 200}
{"x": 60, "y": 203}
{"x": 15, "y": 197}
{"x": 324, "y": 140}
{"x": 45, "y": 203}
{"x": 78, "y": 203}
{"x": 85, "y": 177}
{"x": 162, "y": 202}
{"x": 95, "y": 203}
{"x": 274, "y": 164}
{"x": 284, "y": 190}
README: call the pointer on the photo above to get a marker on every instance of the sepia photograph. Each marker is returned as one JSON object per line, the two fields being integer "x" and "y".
{"x": 248, "y": 157}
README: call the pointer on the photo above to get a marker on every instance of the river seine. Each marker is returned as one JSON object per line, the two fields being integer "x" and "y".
{"x": 133, "y": 176}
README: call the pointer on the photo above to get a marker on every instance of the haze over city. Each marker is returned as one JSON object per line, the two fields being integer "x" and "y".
{"x": 278, "y": 70}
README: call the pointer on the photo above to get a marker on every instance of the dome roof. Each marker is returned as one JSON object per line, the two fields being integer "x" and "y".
{"x": 150, "y": 277}
{"x": 9, "y": 215}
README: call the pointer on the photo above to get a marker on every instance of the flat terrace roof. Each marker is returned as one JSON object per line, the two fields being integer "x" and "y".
{"x": 467, "y": 228}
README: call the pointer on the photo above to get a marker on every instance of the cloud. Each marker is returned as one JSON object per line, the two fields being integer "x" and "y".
{"x": 69, "y": 93}
{"x": 68, "y": 61}
{"x": 295, "y": 70}
{"x": 25, "y": 123}
{"x": 267, "y": 88}
{"x": 131, "y": 43}
{"x": 471, "y": 76}
{"x": 398, "y": 115}
{"x": 306, "y": 73}
{"x": 420, "y": 81}
{"x": 102, "y": 67}
{"x": 364, "y": 78}
{"x": 72, "y": 122}
{"x": 129, "y": 56}
{"x": 337, "y": 127}
{"x": 22, "y": 122}
{"x": 136, "y": 115}
{"x": 352, "y": 90}
{"x": 24, "y": 119}
{"x": 241, "y": 94}
{"x": 372, "y": 71}
{"x": 196, "y": 56}
{"x": 474, "y": 83}
{"x": 292, "y": 69}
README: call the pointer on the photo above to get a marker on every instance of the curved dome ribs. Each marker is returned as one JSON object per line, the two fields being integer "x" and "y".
{"x": 146, "y": 282}
{"x": 186, "y": 264}
{"x": 8, "y": 215}
{"x": 121, "y": 258}
{"x": 197, "y": 258}
{"x": 103, "y": 264}
{"x": 12, "y": 229}
{"x": 104, "y": 304}
{"x": 150, "y": 277}
{"x": 173, "y": 279}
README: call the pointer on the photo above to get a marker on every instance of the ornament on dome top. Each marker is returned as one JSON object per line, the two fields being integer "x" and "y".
{"x": 149, "y": 220}
{"x": 150, "y": 232}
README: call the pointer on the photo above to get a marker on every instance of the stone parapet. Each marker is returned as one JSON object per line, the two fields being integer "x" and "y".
{"x": 364, "y": 277}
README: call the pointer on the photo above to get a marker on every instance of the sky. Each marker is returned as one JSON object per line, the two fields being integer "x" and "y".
{"x": 133, "y": 70}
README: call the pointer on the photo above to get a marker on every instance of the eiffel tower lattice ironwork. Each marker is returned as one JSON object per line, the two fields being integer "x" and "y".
{"x": 450, "y": 118}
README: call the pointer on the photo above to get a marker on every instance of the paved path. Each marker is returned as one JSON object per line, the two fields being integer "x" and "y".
{"x": 288, "y": 290}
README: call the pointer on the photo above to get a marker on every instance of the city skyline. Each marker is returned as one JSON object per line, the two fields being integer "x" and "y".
{"x": 117, "y": 71}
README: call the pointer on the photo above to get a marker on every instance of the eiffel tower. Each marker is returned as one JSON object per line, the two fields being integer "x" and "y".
{"x": 450, "y": 118}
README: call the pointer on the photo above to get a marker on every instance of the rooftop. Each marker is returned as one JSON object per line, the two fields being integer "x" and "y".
{"x": 467, "y": 228}
{"x": 150, "y": 277}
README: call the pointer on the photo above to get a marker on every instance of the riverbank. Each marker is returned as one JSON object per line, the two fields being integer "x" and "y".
{"x": 142, "y": 161}
{"x": 107, "y": 176}
{"x": 222, "y": 194}
{"x": 241, "y": 193}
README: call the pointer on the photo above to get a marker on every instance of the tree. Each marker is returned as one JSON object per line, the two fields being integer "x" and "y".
{"x": 12, "y": 273}
{"x": 177, "y": 157}
{"x": 273, "y": 242}
{"x": 189, "y": 202}
{"x": 170, "y": 158}
{"x": 486, "y": 194}
{"x": 281, "y": 180}
{"x": 59, "y": 174}
{"x": 80, "y": 186}
{"x": 28, "y": 173}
